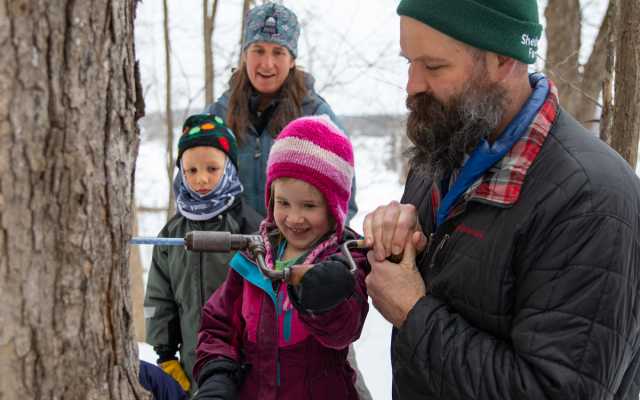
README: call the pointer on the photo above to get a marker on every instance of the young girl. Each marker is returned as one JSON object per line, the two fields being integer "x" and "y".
{"x": 207, "y": 190}
{"x": 264, "y": 340}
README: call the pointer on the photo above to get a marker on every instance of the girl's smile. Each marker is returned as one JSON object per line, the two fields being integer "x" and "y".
{"x": 301, "y": 214}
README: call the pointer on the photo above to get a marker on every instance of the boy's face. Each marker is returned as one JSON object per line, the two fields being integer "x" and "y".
{"x": 300, "y": 212}
{"x": 203, "y": 167}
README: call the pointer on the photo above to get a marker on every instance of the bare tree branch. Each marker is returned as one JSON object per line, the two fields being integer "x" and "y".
{"x": 209, "y": 19}
{"x": 168, "y": 107}
{"x": 246, "y": 5}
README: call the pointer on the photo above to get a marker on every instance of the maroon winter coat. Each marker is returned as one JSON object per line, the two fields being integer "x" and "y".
{"x": 292, "y": 355}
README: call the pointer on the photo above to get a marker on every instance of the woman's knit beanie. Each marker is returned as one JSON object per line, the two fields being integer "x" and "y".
{"x": 273, "y": 23}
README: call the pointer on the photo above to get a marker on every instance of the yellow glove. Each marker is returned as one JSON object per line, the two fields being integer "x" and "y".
{"x": 173, "y": 368}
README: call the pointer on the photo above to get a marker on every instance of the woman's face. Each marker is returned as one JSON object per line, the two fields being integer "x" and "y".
{"x": 268, "y": 66}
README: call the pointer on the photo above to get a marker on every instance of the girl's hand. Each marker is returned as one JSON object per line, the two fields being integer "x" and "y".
{"x": 323, "y": 286}
{"x": 297, "y": 272}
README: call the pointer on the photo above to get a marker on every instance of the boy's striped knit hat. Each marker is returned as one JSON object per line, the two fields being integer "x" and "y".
{"x": 208, "y": 130}
{"x": 314, "y": 150}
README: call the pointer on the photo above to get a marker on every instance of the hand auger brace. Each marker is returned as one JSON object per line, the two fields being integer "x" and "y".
{"x": 224, "y": 242}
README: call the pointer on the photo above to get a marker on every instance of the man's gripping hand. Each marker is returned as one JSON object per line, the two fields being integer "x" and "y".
{"x": 395, "y": 288}
{"x": 388, "y": 229}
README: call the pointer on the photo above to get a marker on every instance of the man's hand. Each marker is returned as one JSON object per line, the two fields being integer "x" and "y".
{"x": 396, "y": 288}
{"x": 388, "y": 229}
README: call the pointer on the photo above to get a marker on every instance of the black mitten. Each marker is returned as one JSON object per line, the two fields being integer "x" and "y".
{"x": 219, "y": 380}
{"x": 323, "y": 287}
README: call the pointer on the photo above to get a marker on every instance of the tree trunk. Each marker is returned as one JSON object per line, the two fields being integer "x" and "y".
{"x": 578, "y": 85}
{"x": 209, "y": 71}
{"x": 626, "y": 117}
{"x": 594, "y": 73}
{"x": 606, "y": 118}
{"x": 171, "y": 208}
{"x": 563, "y": 27}
{"x": 68, "y": 142}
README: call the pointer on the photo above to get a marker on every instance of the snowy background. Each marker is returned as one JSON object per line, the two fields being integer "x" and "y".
{"x": 350, "y": 47}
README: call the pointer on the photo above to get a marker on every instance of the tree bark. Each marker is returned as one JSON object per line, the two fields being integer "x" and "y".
{"x": 578, "y": 85}
{"x": 68, "y": 142}
{"x": 246, "y": 5}
{"x": 171, "y": 208}
{"x": 563, "y": 48}
{"x": 594, "y": 72}
{"x": 209, "y": 70}
{"x": 626, "y": 115}
{"x": 606, "y": 118}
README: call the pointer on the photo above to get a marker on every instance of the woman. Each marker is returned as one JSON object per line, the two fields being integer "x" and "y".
{"x": 265, "y": 93}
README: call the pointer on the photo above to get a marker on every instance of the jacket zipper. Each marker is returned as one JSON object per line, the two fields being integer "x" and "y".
{"x": 201, "y": 272}
{"x": 277, "y": 365}
{"x": 201, "y": 281}
{"x": 277, "y": 306}
{"x": 437, "y": 250}
{"x": 437, "y": 241}
{"x": 258, "y": 151}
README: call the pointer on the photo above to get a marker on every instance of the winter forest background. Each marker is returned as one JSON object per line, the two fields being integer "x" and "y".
{"x": 352, "y": 49}
{"x": 92, "y": 98}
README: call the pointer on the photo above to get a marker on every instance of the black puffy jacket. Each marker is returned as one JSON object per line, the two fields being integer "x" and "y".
{"x": 539, "y": 300}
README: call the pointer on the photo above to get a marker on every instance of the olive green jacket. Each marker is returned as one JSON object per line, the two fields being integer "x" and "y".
{"x": 180, "y": 282}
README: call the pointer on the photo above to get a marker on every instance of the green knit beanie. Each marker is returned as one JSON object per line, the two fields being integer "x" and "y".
{"x": 506, "y": 27}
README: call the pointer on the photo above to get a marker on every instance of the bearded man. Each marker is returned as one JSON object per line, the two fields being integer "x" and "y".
{"x": 519, "y": 230}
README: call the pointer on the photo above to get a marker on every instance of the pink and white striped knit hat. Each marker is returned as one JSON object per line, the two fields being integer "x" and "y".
{"x": 314, "y": 150}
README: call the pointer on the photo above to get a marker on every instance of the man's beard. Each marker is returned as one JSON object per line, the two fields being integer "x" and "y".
{"x": 443, "y": 133}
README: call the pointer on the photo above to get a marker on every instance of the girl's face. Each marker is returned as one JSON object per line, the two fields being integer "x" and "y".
{"x": 300, "y": 212}
{"x": 203, "y": 167}
{"x": 268, "y": 66}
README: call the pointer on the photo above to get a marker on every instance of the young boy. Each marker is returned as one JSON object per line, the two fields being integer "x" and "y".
{"x": 207, "y": 190}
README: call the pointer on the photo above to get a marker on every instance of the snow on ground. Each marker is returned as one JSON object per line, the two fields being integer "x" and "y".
{"x": 376, "y": 185}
